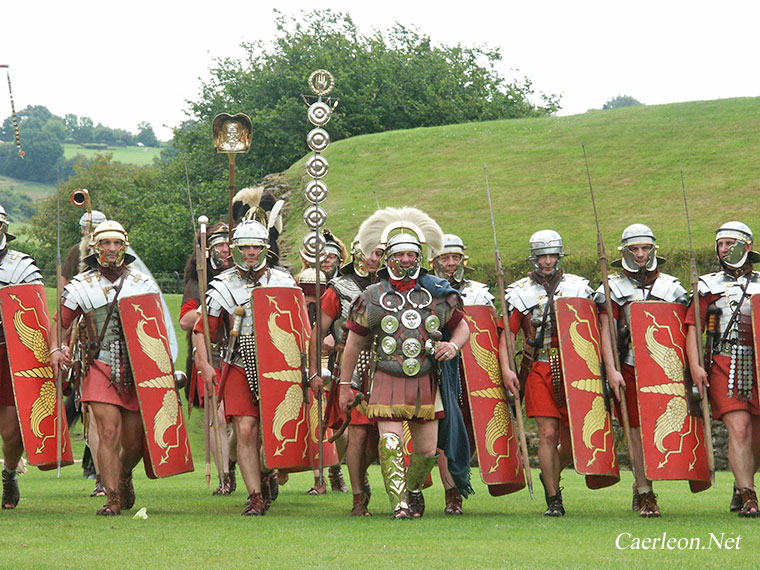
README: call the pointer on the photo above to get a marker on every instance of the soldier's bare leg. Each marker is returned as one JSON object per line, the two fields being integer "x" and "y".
{"x": 132, "y": 438}
{"x": 565, "y": 448}
{"x": 548, "y": 454}
{"x": 13, "y": 446}
{"x": 637, "y": 450}
{"x": 357, "y": 441}
{"x": 247, "y": 432}
{"x": 93, "y": 440}
{"x": 108, "y": 421}
{"x": 740, "y": 447}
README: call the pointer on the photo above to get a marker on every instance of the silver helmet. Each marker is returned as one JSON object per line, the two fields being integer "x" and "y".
{"x": 358, "y": 260}
{"x": 250, "y": 232}
{"x": 399, "y": 243}
{"x": 5, "y": 237}
{"x": 637, "y": 234}
{"x": 741, "y": 251}
{"x": 96, "y": 216}
{"x": 451, "y": 244}
{"x": 110, "y": 229}
{"x": 220, "y": 233}
{"x": 546, "y": 242}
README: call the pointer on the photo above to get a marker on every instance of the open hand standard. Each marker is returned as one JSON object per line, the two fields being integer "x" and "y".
{"x": 719, "y": 541}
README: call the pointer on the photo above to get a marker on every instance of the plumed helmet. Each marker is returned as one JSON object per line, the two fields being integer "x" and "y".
{"x": 741, "y": 251}
{"x": 109, "y": 229}
{"x": 5, "y": 237}
{"x": 638, "y": 234}
{"x": 399, "y": 230}
{"x": 249, "y": 232}
{"x": 98, "y": 218}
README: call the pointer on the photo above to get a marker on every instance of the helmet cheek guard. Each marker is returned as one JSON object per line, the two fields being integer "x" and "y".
{"x": 546, "y": 242}
{"x": 109, "y": 230}
{"x": 250, "y": 233}
{"x": 739, "y": 252}
{"x": 401, "y": 243}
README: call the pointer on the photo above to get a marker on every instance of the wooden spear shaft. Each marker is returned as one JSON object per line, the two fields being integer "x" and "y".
{"x": 703, "y": 401}
{"x": 510, "y": 345}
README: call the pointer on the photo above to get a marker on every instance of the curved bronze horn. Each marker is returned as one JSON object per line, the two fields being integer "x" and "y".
{"x": 80, "y": 197}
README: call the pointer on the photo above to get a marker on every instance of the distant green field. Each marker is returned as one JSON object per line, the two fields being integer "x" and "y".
{"x": 126, "y": 154}
{"x": 34, "y": 190}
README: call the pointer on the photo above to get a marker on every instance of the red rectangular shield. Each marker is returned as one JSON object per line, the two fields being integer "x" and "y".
{"x": 26, "y": 324}
{"x": 672, "y": 438}
{"x": 495, "y": 438}
{"x": 281, "y": 326}
{"x": 167, "y": 449}
{"x": 593, "y": 440}
{"x": 329, "y": 452}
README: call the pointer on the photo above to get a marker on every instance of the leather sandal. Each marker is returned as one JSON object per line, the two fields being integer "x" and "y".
{"x": 416, "y": 504}
{"x": 649, "y": 508}
{"x": 401, "y": 513}
{"x": 99, "y": 490}
{"x": 113, "y": 504}
{"x": 233, "y": 477}
{"x": 337, "y": 484}
{"x": 366, "y": 489}
{"x": 224, "y": 486}
{"x": 254, "y": 506}
{"x": 360, "y": 506}
{"x": 11, "y": 493}
{"x": 736, "y": 501}
{"x": 453, "y": 502}
{"x": 127, "y": 492}
{"x": 636, "y": 501}
{"x": 317, "y": 489}
{"x": 749, "y": 504}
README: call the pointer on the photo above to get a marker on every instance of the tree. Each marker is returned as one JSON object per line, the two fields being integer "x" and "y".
{"x": 386, "y": 81}
{"x": 621, "y": 101}
{"x": 40, "y": 163}
{"x": 145, "y": 135}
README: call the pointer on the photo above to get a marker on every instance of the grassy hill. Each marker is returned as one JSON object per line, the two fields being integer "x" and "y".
{"x": 538, "y": 180}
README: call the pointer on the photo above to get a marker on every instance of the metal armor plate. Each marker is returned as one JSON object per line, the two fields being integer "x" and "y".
{"x": 167, "y": 449}
{"x": 672, "y": 438}
{"x": 26, "y": 323}
{"x": 591, "y": 434}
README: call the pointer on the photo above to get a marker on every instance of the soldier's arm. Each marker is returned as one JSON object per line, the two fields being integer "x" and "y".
{"x": 508, "y": 375}
{"x": 614, "y": 377}
{"x": 315, "y": 368}
{"x": 200, "y": 351}
{"x": 354, "y": 343}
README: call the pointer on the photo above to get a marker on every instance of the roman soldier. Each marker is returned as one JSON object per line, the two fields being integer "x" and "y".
{"x": 229, "y": 292}
{"x": 404, "y": 317}
{"x": 15, "y": 268}
{"x": 336, "y": 302}
{"x": 217, "y": 260}
{"x": 727, "y": 304}
{"x": 108, "y": 385}
{"x": 450, "y": 263}
{"x": 640, "y": 280}
{"x": 531, "y": 310}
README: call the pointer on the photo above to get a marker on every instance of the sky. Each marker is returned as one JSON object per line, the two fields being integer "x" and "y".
{"x": 123, "y": 63}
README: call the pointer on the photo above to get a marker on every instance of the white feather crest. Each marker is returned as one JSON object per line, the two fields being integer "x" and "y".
{"x": 397, "y": 220}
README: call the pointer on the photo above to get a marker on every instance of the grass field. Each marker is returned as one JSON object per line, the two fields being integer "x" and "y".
{"x": 34, "y": 190}
{"x": 126, "y": 154}
{"x": 55, "y": 525}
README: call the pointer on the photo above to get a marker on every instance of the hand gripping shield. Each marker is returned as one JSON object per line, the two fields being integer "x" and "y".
{"x": 281, "y": 328}
{"x": 672, "y": 432}
{"x": 496, "y": 442}
{"x": 26, "y": 323}
{"x": 330, "y": 453}
{"x": 167, "y": 449}
{"x": 588, "y": 408}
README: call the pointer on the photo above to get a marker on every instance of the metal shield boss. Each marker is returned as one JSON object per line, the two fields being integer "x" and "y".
{"x": 496, "y": 442}
{"x": 167, "y": 448}
{"x": 591, "y": 433}
{"x": 281, "y": 326}
{"x": 26, "y": 324}
{"x": 672, "y": 431}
